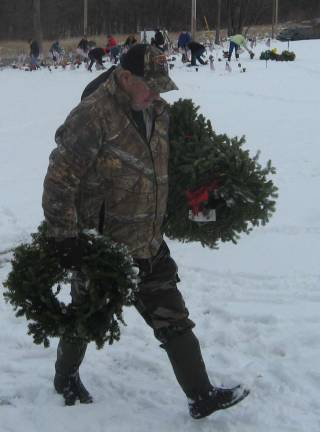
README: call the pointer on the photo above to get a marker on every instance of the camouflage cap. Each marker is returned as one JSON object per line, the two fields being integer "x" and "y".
{"x": 156, "y": 71}
{"x": 149, "y": 63}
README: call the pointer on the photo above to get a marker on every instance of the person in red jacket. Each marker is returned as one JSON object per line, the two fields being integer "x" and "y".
{"x": 111, "y": 42}
{"x": 113, "y": 49}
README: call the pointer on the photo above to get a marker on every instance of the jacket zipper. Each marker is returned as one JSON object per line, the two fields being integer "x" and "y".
{"x": 155, "y": 179}
{"x": 154, "y": 171}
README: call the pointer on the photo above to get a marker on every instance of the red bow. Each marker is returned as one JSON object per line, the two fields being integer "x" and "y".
{"x": 199, "y": 196}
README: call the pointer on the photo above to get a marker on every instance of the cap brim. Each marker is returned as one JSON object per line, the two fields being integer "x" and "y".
{"x": 161, "y": 84}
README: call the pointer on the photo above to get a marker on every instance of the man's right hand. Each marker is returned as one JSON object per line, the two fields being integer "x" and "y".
{"x": 68, "y": 251}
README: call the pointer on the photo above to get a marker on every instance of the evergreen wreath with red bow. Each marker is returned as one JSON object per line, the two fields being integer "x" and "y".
{"x": 212, "y": 176}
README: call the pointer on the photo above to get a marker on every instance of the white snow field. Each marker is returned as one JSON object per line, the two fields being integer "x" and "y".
{"x": 256, "y": 304}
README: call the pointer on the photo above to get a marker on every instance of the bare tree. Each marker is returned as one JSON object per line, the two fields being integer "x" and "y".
{"x": 60, "y": 18}
{"x": 37, "y": 30}
{"x": 237, "y": 10}
{"x": 242, "y": 13}
{"x": 193, "y": 18}
{"x": 85, "y": 17}
{"x": 229, "y": 17}
{"x": 217, "y": 39}
{"x": 257, "y": 11}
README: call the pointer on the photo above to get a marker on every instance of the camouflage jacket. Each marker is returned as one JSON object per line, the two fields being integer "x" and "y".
{"x": 105, "y": 175}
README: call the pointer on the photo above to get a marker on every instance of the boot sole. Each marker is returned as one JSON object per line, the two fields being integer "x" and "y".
{"x": 244, "y": 394}
{"x": 82, "y": 400}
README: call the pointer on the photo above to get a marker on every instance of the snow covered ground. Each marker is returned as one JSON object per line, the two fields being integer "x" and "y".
{"x": 256, "y": 304}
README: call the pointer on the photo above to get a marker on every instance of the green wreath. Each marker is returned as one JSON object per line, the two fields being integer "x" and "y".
{"x": 37, "y": 277}
{"x": 272, "y": 55}
{"x": 215, "y": 172}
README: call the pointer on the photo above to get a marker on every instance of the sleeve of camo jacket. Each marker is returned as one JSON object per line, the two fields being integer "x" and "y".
{"x": 78, "y": 142}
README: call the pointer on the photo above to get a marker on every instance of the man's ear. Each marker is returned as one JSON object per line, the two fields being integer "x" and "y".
{"x": 125, "y": 79}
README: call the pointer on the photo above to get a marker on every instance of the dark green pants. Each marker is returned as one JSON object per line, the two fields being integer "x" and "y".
{"x": 162, "y": 306}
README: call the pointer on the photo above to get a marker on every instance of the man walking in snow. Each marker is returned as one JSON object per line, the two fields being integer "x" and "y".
{"x": 109, "y": 172}
{"x": 236, "y": 42}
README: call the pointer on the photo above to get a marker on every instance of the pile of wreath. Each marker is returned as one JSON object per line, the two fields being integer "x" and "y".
{"x": 37, "y": 277}
{"x": 272, "y": 55}
{"x": 210, "y": 172}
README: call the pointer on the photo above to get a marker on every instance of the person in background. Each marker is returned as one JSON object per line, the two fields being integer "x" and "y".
{"x": 130, "y": 41}
{"x": 184, "y": 39}
{"x": 111, "y": 42}
{"x": 236, "y": 42}
{"x": 113, "y": 49}
{"x": 34, "y": 53}
{"x": 56, "y": 51}
{"x": 84, "y": 44}
{"x": 253, "y": 41}
{"x": 83, "y": 49}
{"x": 197, "y": 50}
{"x": 158, "y": 39}
{"x": 95, "y": 56}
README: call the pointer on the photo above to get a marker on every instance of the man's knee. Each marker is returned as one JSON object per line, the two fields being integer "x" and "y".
{"x": 166, "y": 334}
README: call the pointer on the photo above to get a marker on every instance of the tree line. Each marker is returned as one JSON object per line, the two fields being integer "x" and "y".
{"x": 64, "y": 18}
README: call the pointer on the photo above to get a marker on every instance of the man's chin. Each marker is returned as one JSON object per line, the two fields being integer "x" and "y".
{"x": 136, "y": 108}
{"x": 141, "y": 107}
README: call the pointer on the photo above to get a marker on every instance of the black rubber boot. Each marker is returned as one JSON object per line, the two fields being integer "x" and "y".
{"x": 72, "y": 389}
{"x": 185, "y": 356}
{"x": 186, "y": 359}
{"x": 67, "y": 380}
{"x": 216, "y": 399}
